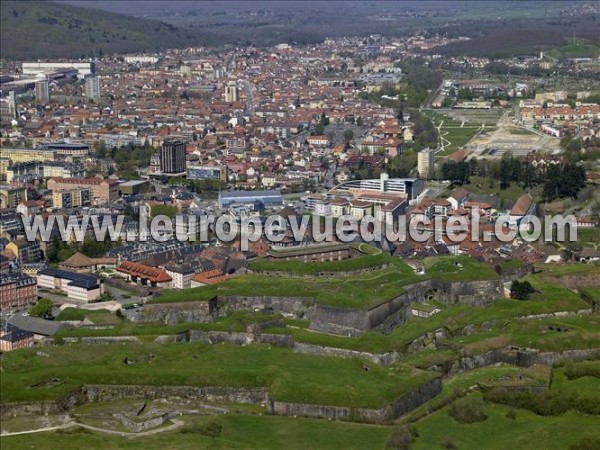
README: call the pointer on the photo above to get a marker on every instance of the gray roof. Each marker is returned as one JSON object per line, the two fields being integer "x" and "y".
{"x": 251, "y": 194}
{"x": 35, "y": 324}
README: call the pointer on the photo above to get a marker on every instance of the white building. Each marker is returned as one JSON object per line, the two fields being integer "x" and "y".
{"x": 426, "y": 162}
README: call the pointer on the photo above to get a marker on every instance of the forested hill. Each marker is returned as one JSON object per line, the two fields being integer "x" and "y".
{"x": 44, "y": 29}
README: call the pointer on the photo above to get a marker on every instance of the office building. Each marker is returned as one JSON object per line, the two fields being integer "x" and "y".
{"x": 76, "y": 286}
{"x": 256, "y": 199}
{"x": 412, "y": 187}
{"x": 172, "y": 157}
{"x": 207, "y": 173}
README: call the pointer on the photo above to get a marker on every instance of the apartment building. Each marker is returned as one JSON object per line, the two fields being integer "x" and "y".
{"x": 102, "y": 190}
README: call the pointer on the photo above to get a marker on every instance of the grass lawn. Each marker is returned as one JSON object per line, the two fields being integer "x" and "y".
{"x": 99, "y": 316}
{"x": 363, "y": 291}
{"x": 289, "y": 376}
{"x": 360, "y": 291}
{"x": 588, "y": 235}
{"x": 588, "y": 386}
{"x": 526, "y": 431}
{"x": 238, "y": 432}
{"x": 238, "y": 321}
{"x": 314, "y": 268}
{"x": 458, "y": 268}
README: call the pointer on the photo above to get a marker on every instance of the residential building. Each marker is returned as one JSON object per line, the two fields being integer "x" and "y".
{"x": 102, "y": 190}
{"x": 11, "y": 196}
{"x": 145, "y": 275}
{"x": 523, "y": 207}
{"x": 16, "y": 155}
{"x": 231, "y": 92}
{"x": 92, "y": 88}
{"x": 426, "y": 162}
{"x": 42, "y": 89}
{"x": 17, "y": 291}
{"x": 73, "y": 198}
{"x": 181, "y": 276}
{"x": 25, "y": 251}
{"x": 13, "y": 338}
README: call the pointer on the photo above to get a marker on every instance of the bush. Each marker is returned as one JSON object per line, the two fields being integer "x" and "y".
{"x": 587, "y": 443}
{"x": 448, "y": 444}
{"x": 511, "y": 414}
{"x": 544, "y": 404}
{"x": 582, "y": 369}
{"x": 401, "y": 438}
{"x": 468, "y": 410}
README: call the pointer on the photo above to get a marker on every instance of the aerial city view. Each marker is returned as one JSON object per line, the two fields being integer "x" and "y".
{"x": 300, "y": 225}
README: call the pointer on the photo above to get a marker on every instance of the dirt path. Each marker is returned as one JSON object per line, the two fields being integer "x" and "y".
{"x": 176, "y": 424}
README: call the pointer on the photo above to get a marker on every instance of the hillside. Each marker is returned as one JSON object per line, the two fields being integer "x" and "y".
{"x": 35, "y": 29}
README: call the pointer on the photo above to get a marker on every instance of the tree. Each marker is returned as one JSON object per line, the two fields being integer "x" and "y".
{"x": 520, "y": 290}
{"x": 400, "y": 116}
{"x": 348, "y": 135}
{"x": 456, "y": 172}
{"x": 319, "y": 129}
{"x": 43, "y": 307}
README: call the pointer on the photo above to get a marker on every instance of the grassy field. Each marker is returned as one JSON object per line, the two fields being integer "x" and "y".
{"x": 238, "y": 432}
{"x": 289, "y": 376}
{"x": 484, "y": 186}
{"x": 363, "y": 291}
{"x": 458, "y": 268}
{"x": 577, "y": 49}
{"x": 526, "y": 431}
{"x": 453, "y": 130}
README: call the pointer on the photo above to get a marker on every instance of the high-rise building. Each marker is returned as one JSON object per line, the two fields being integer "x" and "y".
{"x": 42, "y": 89}
{"x": 12, "y": 104}
{"x": 425, "y": 162}
{"x": 92, "y": 88}
{"x": 172, "y": 157}
{"x": 231, "y": 92}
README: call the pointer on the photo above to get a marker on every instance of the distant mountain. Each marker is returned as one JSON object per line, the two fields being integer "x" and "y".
{"x": 44, "y": 29}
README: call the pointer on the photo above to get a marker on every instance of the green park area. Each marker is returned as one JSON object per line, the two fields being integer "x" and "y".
{"x": 237, "y": 432}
